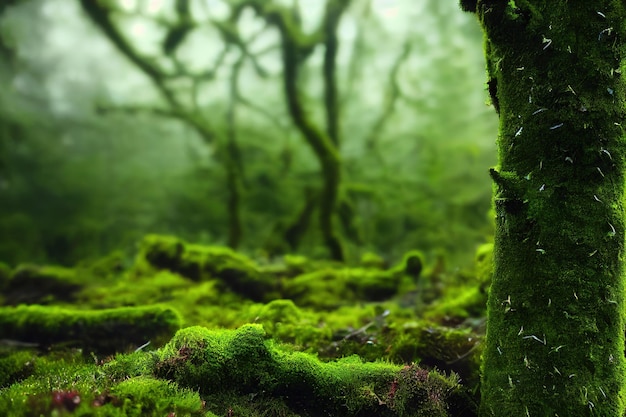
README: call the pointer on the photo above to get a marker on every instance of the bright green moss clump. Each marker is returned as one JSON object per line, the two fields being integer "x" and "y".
{"x": 103, "y": 331}
{"x": 247, "y": 363}
{"x": 204, "y": 373}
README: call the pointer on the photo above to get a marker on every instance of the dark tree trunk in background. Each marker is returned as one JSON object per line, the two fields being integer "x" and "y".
{"x": 555, "y": 334}
{"x": 296, "y": 47}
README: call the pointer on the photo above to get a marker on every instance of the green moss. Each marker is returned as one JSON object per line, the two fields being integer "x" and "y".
{"x": 67, "y": 385}
{"x": 101, "y": 331}
{"x": 15, "y": 367}
{"x": 246, "y": 362}
{"x": 200, "y": 263}
{"x": 555, "y": 333}
{"x": 372, "y": 260}
{"x": 465, "y": 296}
{"x": 420, "y": 393}
{"x": 136, "y": 290}
{"x": 297, "y": 264}
{"x": 41, "y": 284}
{"x": 287, "y": 323}
{"x": 484, "y": 265}
{"x": 329, "y": 288}
{"x": 144, "y": 396}
{"x": 105, "y": 268}
{"x": 412, "y": 264}
{"x": 128, "y": 365}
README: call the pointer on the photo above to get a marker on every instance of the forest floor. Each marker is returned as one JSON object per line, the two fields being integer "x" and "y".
{"x": 190, "y": 330}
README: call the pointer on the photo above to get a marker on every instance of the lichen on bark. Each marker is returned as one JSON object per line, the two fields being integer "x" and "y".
{"x": 555, "y": 336}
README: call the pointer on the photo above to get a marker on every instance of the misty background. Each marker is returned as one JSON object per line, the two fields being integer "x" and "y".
{"x": 93, "y": 157}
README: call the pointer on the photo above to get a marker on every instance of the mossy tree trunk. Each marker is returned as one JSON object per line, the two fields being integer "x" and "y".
{"x": 555, "y": 335}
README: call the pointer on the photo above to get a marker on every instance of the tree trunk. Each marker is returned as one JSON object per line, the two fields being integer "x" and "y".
{"x": 555, "y": 334}
{"x": 293, "y": 50}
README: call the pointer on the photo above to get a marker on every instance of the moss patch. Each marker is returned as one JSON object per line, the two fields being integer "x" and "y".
{"x": 102, "y": 331}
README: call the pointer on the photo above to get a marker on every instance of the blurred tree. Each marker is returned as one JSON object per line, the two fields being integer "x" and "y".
{"x": 296, "y": 47}
{"x": 555, "y": 334}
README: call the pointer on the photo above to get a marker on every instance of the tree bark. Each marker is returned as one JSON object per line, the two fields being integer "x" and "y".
{"x": 555, "y": 334}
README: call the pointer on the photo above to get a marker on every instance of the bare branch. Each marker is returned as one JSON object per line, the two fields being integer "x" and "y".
{"x": 100, "y": 15}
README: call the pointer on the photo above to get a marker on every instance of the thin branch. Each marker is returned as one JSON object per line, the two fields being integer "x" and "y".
{"x": 100, "y": 15}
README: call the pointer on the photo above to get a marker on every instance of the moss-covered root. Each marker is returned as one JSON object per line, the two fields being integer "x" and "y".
{"x": 555, "y": 334}
{"x": 200, "y": 263}
{"x": 101, "y": 331}
{"x": 217, "y": 362}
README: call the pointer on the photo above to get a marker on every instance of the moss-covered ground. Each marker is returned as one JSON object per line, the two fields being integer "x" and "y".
{"x": 189, "y": 330}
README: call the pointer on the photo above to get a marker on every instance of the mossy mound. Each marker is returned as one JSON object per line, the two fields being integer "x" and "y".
{"x": 247, "y": 363}
{"x": 104, "y": 331}
{"x": 203, "y": 372}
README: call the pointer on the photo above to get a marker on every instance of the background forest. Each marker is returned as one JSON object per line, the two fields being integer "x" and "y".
{"x": 190, "y": 132}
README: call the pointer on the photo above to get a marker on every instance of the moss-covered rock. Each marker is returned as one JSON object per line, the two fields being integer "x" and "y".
{"x": 104, "y": 268}
{"x": 103, "y": 331}
{"x": 412, "y": 264}
{"x": 146, "y": 396}
{"x": 372, "y": 260}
